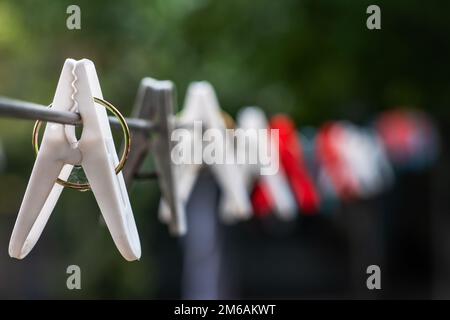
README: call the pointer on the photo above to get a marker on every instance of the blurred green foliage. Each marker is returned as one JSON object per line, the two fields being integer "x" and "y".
{"x": 314, "y": 60}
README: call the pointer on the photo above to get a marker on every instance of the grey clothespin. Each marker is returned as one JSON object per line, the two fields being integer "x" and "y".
{"x": 155, "y": 103}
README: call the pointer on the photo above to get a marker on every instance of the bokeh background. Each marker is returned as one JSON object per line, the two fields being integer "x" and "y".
{"x": 313, "y": 60}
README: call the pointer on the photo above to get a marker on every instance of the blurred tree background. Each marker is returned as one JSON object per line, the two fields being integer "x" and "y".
{"x": 312, "y": 59}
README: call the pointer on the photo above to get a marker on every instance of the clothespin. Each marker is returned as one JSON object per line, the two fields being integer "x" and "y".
{"x": 328, "y": 197}
{"x": 60, "y": 151}
{"x": 293, "y": 162}
{"x": 353, "y": 161}
{"x": 155, "y": 103}
{"x": 271, "y": 192}
{"x": 410, "y": 138}
{"x": 367, "y": 159}
{"x": 335, "y": 176}
{"x": 202, "y": 109}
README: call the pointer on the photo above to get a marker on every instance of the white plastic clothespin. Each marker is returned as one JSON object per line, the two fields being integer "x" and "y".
{"x": 253, "y": 118}
{"x": 201, "y": 106}
{"x": 60, "y": 151}
{"x": 367, "y": 158}
{"x": 155, "y": 103}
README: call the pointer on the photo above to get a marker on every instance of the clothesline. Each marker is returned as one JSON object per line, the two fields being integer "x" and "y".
{"x": 28, "y": 110}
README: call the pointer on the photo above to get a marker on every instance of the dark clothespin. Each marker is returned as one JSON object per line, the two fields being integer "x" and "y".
{"x": 155, "y": 103}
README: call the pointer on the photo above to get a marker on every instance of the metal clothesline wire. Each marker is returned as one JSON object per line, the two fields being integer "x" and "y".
{"x": 13, "y": 108}
{"x": 28, "y": 110}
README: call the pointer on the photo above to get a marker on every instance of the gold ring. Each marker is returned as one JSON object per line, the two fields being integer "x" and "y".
{"x": 126, "y": 151}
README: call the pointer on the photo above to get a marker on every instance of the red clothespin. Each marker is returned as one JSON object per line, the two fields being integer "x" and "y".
{"x": 329, "y": 153}
{"x": 262, "y": 202}
{"x": 410, "y": 138}
{"x": 293, "y": 162}
{"x": 271, "y": 189}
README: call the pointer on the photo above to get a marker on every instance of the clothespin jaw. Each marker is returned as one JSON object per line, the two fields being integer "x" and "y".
{"x": 270, "y": 190}
{"x": 94, "y": 151}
